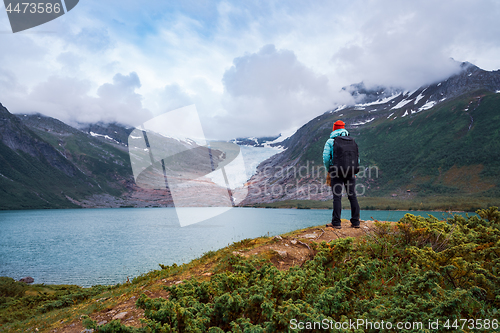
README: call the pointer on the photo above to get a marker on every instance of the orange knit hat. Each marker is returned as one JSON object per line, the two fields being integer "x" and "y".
{"x": 338, "y": 125}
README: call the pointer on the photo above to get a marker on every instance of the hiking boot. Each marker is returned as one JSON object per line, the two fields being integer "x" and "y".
{"x": 355, "y": 226}
{"x": 329, "y": 225}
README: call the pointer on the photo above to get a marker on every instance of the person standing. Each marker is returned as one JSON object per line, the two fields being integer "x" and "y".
{"x": 341, "y": 159}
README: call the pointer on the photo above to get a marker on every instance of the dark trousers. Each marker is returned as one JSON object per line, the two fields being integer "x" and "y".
{"x": 350, "y": 187}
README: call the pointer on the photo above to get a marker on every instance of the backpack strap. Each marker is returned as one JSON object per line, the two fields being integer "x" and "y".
{"x": 331, "y": 152}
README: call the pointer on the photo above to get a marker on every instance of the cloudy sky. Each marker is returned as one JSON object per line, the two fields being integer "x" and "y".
{"x": 252, "y": 68}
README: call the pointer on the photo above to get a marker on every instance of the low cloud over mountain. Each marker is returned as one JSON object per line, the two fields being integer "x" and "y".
{"x": 69, "y": 100}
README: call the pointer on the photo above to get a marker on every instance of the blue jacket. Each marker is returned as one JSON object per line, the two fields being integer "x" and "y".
{"x": 328, "y": 150}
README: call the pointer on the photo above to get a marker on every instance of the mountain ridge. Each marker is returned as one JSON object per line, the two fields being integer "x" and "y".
{"x": 45, "y": 163}
{"x": 90, "y": 166}
{"x": 31, "y": 168}
{"x": 455, "y": 111}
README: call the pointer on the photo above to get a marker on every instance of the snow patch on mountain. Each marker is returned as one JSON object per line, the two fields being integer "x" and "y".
{"x": 380, "y": 101}
{"x": 401, "y": 104}
{"x": 363, "y": 122}
{"x": 254, "y": 139}
{"x": 419, "y": 97}
{"x": 342, "y": 107}
{"x": 427, "y": 106}
{"x": 103, "y": 136}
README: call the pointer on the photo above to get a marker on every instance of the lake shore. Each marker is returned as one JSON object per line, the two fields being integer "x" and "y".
{"x": 318, "y": 260}
{"x": 438, "y": 204}
{"x": 117, "y": 302}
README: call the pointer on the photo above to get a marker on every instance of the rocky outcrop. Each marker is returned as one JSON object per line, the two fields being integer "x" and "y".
{"x": 27, "y": 280}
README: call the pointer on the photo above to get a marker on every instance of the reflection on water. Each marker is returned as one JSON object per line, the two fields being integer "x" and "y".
{"x": 104, "y": 246}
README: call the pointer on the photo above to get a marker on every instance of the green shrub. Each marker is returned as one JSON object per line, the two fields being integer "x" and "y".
{"x": 41, "y": 299}
{"x": 11, "y": 288}
{"x": 418, "y": 270}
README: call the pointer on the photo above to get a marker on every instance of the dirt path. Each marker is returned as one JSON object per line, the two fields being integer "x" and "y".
{"x": 295, "y": 249}
{"x": 283, "y": 251}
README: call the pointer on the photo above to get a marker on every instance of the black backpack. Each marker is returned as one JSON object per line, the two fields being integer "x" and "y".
{"x": 345, "y": 157}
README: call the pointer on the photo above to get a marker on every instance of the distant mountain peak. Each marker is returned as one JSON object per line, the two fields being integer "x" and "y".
{"x": 469, "y": 78}
{"x": 255, "y": 142}
{"x": 467, "y": 66}
{"x": 362, "y": 94}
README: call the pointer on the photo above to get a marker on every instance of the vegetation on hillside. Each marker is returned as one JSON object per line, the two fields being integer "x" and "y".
{"x": 20, "y": 302}
{"x": 420, "y": 270}
{"x": 105, "y": 163}
{"x": 417, "y": 270}
{"x": 447, "y": 151}
{"x": 29, "y": 183}
{"x": 37, "y": 182}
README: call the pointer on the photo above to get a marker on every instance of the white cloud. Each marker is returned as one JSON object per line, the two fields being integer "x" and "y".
{"x": 214, "y": 54}
{"x": 71, "y": 61}
{"x": 172, "y": 97}
{"x": 409, "y": 44}
{"x": 69, "y": 100}
{"x": 271, "y": 91}
{"x": 94, "y": 40}
{"x": 9, "y": 85}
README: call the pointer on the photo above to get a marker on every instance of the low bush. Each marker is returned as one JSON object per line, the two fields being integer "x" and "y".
{"x": 21, "y": 305}
{"x": 418, "y": 270}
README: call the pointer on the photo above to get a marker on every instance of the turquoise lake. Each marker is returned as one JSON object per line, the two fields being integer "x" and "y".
{"x": 105, "y": 246}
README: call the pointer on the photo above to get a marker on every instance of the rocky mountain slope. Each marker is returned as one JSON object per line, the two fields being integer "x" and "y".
{"x": 45, "y": 163}
{"x": 33, "y": 174}
{"x": 437, "y": 140}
